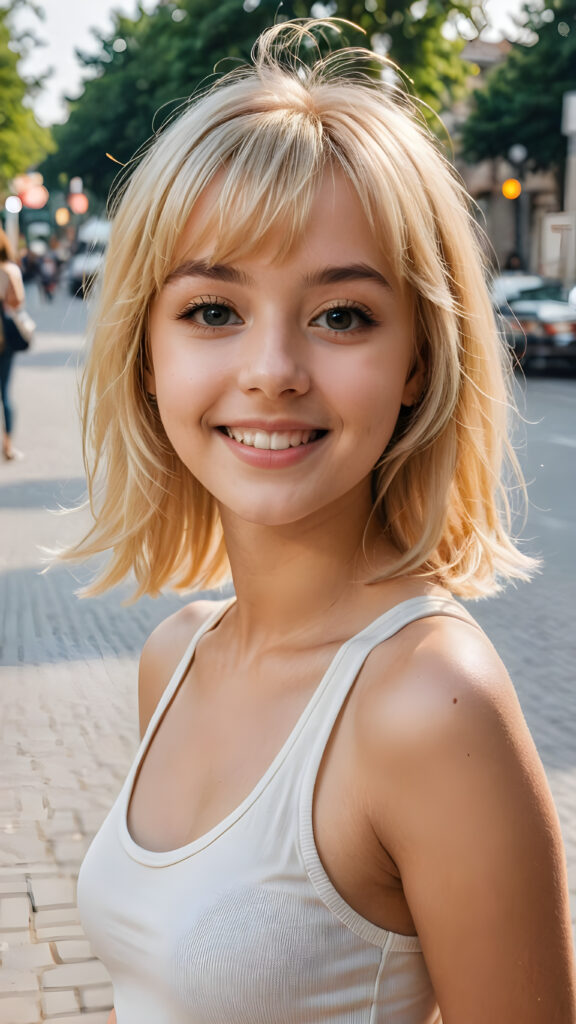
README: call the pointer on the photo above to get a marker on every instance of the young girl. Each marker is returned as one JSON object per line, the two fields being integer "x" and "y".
{"x": 336, "y": 813}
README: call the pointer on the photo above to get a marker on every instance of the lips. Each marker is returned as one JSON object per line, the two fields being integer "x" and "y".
{"x": 276, "y": 440}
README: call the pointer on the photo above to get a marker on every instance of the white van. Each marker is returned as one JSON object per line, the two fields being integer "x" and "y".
{"x": 91, "y": 245}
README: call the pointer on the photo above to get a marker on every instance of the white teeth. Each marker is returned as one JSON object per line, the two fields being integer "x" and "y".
{"x": 276, "y": 441}
{"x": 262, "y": 439}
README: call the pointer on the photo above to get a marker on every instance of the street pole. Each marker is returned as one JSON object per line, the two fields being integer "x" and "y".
{"x": 517, "y": 155}
{"x": 12, "y": 229}
{"x": 569, "y": 129}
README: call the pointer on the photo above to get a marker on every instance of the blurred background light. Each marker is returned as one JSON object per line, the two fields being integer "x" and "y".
{"x": 511, "y": 188}
{"x": 62, "y": 216}
{"x": 78, "y": 202}
{"x": 35, "y": 198}
{"x": 13, "y": 204}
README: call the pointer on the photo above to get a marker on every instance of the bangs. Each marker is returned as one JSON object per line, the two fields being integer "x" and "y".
{"x": 265, "y": 182}
{"x": 246, "y": 161}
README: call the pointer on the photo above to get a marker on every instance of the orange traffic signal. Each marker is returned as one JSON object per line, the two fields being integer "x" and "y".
{"x": 511, "y": 188}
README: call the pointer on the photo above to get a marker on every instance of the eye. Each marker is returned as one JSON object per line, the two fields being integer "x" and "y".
{"x": 345, "y": 317}
{"x": 210, "y": 313}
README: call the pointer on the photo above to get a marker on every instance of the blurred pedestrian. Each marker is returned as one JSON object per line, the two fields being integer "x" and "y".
{"x": 30, "y": 264}
{"x": 336, "y": 813}
{"x": 514, "y": 262}
{"x": 48, "y": 275}
{"x": 11, "y": 297}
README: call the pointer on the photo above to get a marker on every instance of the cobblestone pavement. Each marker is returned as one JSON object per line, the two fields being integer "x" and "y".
{"x": 68, "y": 714}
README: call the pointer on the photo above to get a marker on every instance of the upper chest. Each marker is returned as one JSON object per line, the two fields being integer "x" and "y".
{"x": 215, "y": 740}
{"x": 217, "y": 743}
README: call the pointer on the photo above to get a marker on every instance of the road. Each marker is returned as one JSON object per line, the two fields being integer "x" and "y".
{"x": 68, "y": 669}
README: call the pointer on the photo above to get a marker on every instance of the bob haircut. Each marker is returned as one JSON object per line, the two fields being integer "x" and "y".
{"x": 270, "y": 131}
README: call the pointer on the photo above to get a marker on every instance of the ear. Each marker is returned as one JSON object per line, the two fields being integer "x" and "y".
{"x": 415, "y": 383}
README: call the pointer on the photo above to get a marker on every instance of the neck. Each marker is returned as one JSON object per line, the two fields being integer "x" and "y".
{"x": 289, "y": 578}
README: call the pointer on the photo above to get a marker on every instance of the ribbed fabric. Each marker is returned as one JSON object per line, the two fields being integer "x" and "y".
{"x": 243, "y": 925}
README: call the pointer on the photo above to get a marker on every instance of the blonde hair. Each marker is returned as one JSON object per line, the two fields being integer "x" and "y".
{"x": 269, "y": 131}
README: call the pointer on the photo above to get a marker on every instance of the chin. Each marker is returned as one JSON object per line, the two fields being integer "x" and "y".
{"x": 268, "y": 518}
{"x": 268, "y": 514}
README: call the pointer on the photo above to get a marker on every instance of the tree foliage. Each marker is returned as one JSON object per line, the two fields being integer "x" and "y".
{"x": 415, "y": 37}
{"x": 23, "y": 142}
{"x": 154, "y": 61}
{"x": 140, "y": 73}
{"x": 522, "y": 99}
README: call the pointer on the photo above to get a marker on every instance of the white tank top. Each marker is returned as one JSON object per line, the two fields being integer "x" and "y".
{"x": 243, "y": 925}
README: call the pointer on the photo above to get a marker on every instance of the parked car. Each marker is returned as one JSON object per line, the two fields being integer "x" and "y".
{"x": 86, "y": 261}
{"x": 538, "y": 319}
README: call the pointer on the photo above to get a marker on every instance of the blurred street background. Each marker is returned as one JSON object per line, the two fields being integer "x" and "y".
{"x": 502, "y": 77}
{"x": 68, "y": 666}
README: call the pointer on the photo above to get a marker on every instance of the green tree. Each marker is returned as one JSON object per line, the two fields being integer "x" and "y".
{"x": 151, "y": 63}
{"x": 23, "y": 142}
{"x": 521, "y": 101}
{"x": 425, "y": 39}
{"x": 141, "y": 72}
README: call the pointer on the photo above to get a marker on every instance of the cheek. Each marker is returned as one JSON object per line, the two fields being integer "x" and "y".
{"x": 183, "y": 401}
{"x": 183, "y": 383}
{"x": 368, "y": 387}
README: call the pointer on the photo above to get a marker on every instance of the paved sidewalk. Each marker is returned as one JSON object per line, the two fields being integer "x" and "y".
{"x": 68, "y": 712}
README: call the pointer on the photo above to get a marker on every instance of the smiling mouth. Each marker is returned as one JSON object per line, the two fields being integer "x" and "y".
{"x": 277, "y": 440}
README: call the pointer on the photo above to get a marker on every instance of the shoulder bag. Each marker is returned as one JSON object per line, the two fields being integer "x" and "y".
{"x": 18, "y": 328}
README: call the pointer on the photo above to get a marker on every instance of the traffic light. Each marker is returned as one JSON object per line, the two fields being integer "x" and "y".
{"x": 511, "y": 188}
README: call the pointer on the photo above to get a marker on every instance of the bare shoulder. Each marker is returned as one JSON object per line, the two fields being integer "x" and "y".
{"x": 440, "y": 681}
{"x": 163, "y": 651}
{"x": 456, "y": 793}
{"x": 438, "y": 710}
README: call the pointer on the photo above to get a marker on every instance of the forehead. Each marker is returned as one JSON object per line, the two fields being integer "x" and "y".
{"x": 329, "y": 224}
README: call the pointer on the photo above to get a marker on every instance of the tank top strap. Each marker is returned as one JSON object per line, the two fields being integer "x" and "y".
{"x": 354, "y": 653}
{"x": 181, "y": 669}
{"x": 402, "y": 614}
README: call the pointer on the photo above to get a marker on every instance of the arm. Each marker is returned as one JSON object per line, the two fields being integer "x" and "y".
{"x": 112, "y": 1017}
{"x": 471, "y": 825}
{"x": 14, "y": 292}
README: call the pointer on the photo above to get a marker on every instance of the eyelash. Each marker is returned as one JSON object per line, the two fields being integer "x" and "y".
{"x": 204, "y": 301}
{"x": 361, "y": 311}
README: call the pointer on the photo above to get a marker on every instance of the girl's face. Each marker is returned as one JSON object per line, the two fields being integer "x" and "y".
{"x": 279, "y": 383}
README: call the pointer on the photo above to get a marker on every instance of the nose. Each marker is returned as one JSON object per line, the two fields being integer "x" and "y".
{"x": 273, "y": 361}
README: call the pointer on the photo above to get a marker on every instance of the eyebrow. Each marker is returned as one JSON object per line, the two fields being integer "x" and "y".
{"x": 354, "y": 272}
{"x": 213, "y": 271}
{"x": 328, "y": 275}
